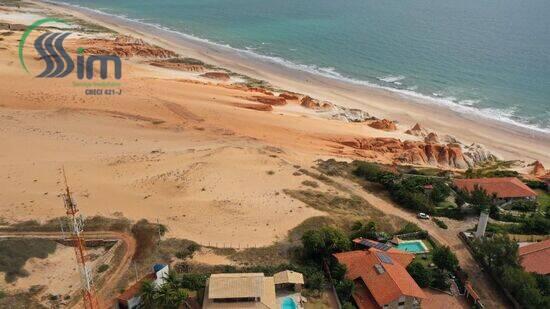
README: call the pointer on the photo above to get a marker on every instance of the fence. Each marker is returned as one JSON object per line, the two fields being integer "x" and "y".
{"x": 228, "y": 245}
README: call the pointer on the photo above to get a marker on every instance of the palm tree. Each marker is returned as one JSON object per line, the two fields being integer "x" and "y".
{"x": 148, "y": 294}
{"x": 169, "y": 297}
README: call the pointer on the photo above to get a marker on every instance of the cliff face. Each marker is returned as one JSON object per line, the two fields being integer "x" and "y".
{"x": 125, "y": 47}
{"x": 409, "y": 152}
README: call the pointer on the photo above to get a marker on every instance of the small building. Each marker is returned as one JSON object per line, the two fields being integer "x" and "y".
{"x": 381, "y": 279}
{"x": 242, "y": 290}
{"x": 289, "y": 280}
{"x": 131, "y": 297}
{"x": 535, "y": 258}
{"x": 505, "y": 189}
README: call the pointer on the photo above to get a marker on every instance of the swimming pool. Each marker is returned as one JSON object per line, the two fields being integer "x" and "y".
{"x": 413, "y": 246}
{"x": 288, "y": 303}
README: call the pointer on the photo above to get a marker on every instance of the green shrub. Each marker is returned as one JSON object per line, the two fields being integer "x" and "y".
{"x": 102, "y": 268}
{"x": 409, "y": 228}
{"x": 439, "y": 280}
{"x": 524, "y": 205}
{"x": 440, "y": 223}
{"x": 344, "y": 289}
{"x": 420, "y": 274}
{"x": 444, "y": 258}
{"x": 310, "y": 183}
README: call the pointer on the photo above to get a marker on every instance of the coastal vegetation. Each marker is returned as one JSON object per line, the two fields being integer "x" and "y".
{"x": 15, "y": 252}
{"x": 500, "y": 256}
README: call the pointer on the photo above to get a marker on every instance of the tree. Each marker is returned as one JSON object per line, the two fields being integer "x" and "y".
{"x": 315, "y": 280}
{"x": 440, "y": 192}
{"x": 338, "y": 271}
{"x": 348, "y": 305}
{"x": 480, "y": 198}
{"x": 440, "y": 280}
{"x": 320, "y": 244}
{"x": 444, "y": 258}
{"x": 344, "y": 289}
{"x": 420, "y": 274}
{"x": 523, "y": 286}
{"x": 497, "y": 252}
{"x": 360, "y": 229}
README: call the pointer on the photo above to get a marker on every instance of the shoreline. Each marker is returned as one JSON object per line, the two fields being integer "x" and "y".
{"x": 504, "y": 139}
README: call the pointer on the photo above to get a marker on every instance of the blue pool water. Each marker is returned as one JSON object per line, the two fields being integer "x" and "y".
{"x": 412, "y": 246}
{"x": 288, "y": 303}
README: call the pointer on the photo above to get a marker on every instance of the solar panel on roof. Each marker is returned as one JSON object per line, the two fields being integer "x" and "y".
{"x": 384, "y": 258}
{"x": 371, "y": 244}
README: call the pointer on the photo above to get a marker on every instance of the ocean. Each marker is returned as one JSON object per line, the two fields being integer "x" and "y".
{"x": 489, "y": 57}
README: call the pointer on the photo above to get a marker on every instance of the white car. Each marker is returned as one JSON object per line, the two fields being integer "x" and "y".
{"x": 424, "y": 216}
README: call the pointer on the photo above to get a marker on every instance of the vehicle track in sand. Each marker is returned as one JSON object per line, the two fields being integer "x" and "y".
{"x": 104, "y": 292}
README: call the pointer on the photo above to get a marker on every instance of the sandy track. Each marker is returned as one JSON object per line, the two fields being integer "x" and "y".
{"x": 104, "y": 292}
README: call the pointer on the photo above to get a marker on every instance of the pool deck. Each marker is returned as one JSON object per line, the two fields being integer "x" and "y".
{"x": 417, "y": 241}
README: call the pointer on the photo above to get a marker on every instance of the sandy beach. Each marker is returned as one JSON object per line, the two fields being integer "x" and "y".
{"x": 208, "y": 141}
{"x": 175, "y": 145}
{"x": 506, "y": 140}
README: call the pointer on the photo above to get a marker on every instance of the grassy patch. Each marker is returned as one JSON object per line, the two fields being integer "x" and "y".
{"x": 492, "y": 169}
{"x": 278, "y": 253}
{"x": 310, "y": 183}
{"x": 12, "y": 3}
{"x": 295, "y": 235}
{"x": 20, "y": 301}
{"x": 96, "y": 223}
{"x": 346, "y": 210}
{"x": 15, "y": 252}
{"x": 425, "y": 258}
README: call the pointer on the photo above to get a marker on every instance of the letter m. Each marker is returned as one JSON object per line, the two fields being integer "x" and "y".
{"x": 103, "y": 64}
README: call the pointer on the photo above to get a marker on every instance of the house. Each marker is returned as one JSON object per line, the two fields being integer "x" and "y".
{"x": 535, "y": 258}
{"x": 242, "y": 290}
{"x": 289, "y": 280}
{"x": 381, "y": 279}
{"x": 505, "y": 189}
{"x": 131, "y": 297}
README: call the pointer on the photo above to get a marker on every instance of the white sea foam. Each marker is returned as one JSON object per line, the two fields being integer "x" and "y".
{"x": 504, "y": 116}
{"x": 392, "y": 79}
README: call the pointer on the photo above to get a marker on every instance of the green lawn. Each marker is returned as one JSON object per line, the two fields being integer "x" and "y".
{"x": 428, "y": 260}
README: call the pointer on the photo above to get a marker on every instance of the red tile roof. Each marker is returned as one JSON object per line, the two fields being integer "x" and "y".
{"x": 535, "y": 257}
{"x": 384, "y": 287}
{"x": 502, "y": 187}
{"x": 400, "y": 256}
{"x": 135, "y": 289}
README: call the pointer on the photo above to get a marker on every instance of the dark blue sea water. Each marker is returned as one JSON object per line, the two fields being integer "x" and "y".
{"x": 483, "y": 56}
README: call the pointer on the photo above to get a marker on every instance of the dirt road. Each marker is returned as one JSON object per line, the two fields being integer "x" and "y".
{"x": 482, "y": 283}
{"x": 104, "y": 292}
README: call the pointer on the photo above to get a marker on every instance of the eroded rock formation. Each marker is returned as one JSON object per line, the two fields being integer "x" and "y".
{"x": 538, "y": 169}
{"x": 383, "y": 124}
{"x": 409, "y": 152}
{"x": 267, "y": 99}
{"x": 289, "y": 96}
